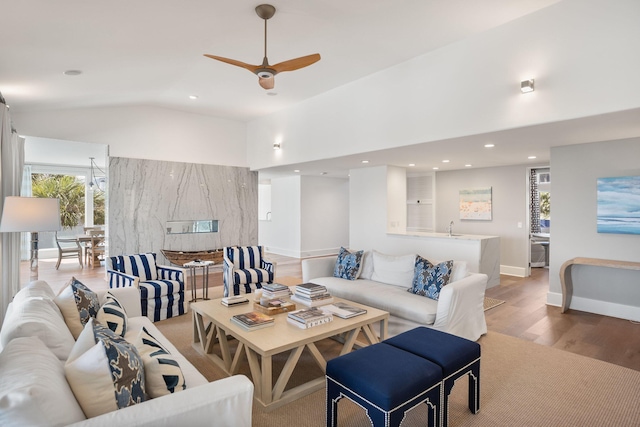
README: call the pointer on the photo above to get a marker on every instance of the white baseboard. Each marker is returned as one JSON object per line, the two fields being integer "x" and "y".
{"x": 603, "y": 308}
{"x": 513, "y": 271}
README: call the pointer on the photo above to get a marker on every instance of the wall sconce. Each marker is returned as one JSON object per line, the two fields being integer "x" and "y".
{"x": 276, "y": 145}
{"x": 526, "y": 86}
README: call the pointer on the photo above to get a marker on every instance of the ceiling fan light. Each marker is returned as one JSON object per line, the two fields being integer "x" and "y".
{"x": 265, "y": 74}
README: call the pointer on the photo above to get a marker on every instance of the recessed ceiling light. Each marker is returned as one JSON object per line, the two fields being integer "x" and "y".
{"x": 445, "y": 161}
{"x": 468, "y": 165}
{"x": 489, "y": 145}
{"x": 412, "y": 164}
{"x": 531, "y": 157}
{"x": 296, "y": 170}
{"x": 436, "y": 168}
{"x": 72, "y": 72}
{"x": 365, "y": 161}
{"x": 193, "y": 96}
{"x": 272, "y": 93}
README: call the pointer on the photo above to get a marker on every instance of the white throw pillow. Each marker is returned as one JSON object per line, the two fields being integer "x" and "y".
{"x": 367, "y": 266}
{"x": 162, "y": 372}
{"x": 33, "y": 388}
{"x": 89, "y": 371}
{"x": 459, "y": 271}
{"x": 77, "y": 304}
{"x": 393, "y": 270}
{"x": 38, "y": 317}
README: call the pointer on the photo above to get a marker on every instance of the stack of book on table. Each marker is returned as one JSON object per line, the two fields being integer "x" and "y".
{"x": 235, "y": 300}
{"x": 343, "y": 310}
{"x": 309, "y": 317}
{"x": 275, "y": 291}
{"x": 312, "y": 295}
{"x": 252, "y": 320}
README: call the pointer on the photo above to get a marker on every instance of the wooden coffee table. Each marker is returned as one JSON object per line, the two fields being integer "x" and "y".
{"x": 212, "y": 325}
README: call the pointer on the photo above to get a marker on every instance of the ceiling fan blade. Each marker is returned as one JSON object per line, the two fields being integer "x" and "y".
{"x": 267, "y": 83}
{"x": 241, "y": 64}
{"x": 296, "y": 64}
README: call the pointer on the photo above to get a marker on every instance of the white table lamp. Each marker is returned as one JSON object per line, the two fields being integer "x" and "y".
{"x": 30, "y": 214}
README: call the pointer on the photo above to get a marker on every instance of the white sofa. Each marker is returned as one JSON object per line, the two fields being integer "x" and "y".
{"x": 34, "y": 391}
{"x": 459, "y": 309}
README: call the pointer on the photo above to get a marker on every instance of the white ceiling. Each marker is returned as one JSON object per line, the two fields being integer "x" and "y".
{"x": 149, "y": 52}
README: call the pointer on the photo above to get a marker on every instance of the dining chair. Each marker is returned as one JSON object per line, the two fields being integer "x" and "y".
{"x": 68, "y": 247}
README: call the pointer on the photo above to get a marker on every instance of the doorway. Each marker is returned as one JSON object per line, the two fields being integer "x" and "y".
{"x": 539, "y": 218}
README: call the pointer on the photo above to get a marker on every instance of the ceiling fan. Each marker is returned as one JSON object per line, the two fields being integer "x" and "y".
{"x": 264, "y": 71}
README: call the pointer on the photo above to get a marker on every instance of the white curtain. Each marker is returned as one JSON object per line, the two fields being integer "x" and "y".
{"x": 11, "y": 164}
{"x": 26, "y": 191}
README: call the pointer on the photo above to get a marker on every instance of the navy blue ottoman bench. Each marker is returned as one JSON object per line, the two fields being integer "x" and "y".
{"x": 456, "y": 356}
{"x": 385, "y": 381}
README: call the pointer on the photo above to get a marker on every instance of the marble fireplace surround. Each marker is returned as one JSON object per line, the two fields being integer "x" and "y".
{"x": 145, "y": 194}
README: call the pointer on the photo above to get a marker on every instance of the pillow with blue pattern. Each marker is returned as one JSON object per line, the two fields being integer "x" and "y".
{"x": 348, "y": 264}
{"x": 105, "y": 372}
{"x": 162, "y": 372}
{"x": 78, "y": 304}
{"x": 429, "y": 279}
{"x": 113, "y": 316}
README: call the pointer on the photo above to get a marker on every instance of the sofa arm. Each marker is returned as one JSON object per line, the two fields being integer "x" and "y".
{"x": 129, "y": 297}
{"x": 166, "y": 272}
{"x": 461, "y": 307}
{"x": 225, "y": 403}
{"x": 312, "y": 268}
{"x": 119, "y": 280}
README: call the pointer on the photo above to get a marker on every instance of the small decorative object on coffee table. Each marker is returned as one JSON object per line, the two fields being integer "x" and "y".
{"x": 192, "y": 266}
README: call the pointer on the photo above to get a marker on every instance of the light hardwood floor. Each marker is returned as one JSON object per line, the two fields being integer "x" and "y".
{"x": 524, "y": 315}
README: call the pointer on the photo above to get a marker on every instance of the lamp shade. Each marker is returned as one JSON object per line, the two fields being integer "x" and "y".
{"x": 31, "y": 214}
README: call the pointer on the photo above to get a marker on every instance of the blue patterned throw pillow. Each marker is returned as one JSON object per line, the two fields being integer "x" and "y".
{"x": 162, "y": 372}
{"x": 348, "y": 264}
{"x": 428, "y": 279}
{"x": 77, "y": 304}
{"x": 113, "y": 316}
{"x": 105, "y": 372}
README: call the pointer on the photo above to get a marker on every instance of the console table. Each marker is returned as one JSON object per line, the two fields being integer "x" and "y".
{"x": 565, "y": 273}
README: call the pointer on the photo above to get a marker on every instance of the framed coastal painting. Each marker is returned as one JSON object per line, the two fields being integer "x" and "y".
{"x": 475, "y": 203}
{"x": 619, "y": 205}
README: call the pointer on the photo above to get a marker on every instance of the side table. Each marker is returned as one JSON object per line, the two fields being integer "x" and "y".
{"x": 193, "y": 266}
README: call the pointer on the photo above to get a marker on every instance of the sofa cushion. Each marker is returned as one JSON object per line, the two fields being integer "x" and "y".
{"x": 112, "y": 315}
{"x": 33, "y": 388}
{"x": 367, "y": 265}
{"x": 140, "y": 265}
{"x": 105, "y": 372}
{"x": 35, "y": 289}
{"x": 393, "y": 270}
{"x": 429, "y": 279}
{"x": 38, "y": 317}
{"x": 162, "y": 372}
{"x": 348, "y": 264}
{"x": 77, "y": 304}
{"x": 394, "y": 299}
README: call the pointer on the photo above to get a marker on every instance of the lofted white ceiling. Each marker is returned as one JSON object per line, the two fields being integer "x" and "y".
{"x": 149, "y": 52}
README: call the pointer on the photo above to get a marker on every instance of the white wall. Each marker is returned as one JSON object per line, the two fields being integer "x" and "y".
{"x": 325, "y": 215}
{"x": 142, "y": 132}
{"x": 578, "y": 51}
{"x": 509, "y": 207}
{"x": 310, "y": 216}
{"x": 574, "y": 171}
{"x": 282, "y": 235}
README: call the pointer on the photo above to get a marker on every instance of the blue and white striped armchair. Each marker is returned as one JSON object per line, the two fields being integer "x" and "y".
{"x": 161, "y": 287}
{"x": 245, "y": 265}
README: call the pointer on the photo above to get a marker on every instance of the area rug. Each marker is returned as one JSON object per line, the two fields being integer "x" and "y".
{"x": 522, "y": 384}
{"x": 491, "y": 302}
